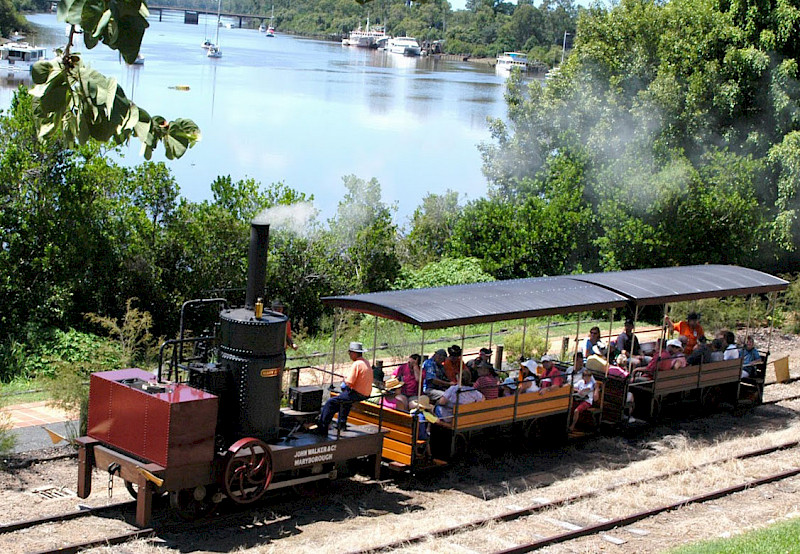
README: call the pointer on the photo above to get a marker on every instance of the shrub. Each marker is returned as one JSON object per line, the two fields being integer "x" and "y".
{"x": 535, "y": 345}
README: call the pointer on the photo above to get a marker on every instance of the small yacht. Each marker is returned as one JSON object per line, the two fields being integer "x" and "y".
{"x": 214, "y": 51}
{"x": 408, "y": 46}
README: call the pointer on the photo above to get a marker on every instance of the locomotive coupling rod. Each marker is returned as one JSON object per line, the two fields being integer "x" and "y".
{"x": 157, "y": 481}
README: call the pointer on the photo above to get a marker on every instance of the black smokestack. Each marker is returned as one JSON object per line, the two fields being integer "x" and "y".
{"x": 257, "y": 263}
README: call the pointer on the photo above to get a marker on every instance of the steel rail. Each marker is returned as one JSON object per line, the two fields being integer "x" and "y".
{"x": 116, "y": 539}
{"x": 627, "y": 520}
{"x": 523, "y": 512}
{"x": 27, "y": 524}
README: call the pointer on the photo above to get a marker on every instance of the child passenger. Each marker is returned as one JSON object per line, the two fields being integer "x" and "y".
{"x": 584, "y": 389}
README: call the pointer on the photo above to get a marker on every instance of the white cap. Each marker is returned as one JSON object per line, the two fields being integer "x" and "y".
{"x": 676, "y": 343}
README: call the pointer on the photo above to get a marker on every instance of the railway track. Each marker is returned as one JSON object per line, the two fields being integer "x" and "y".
{"x": 567, "y": 501}
{"x": 233, "y": 519}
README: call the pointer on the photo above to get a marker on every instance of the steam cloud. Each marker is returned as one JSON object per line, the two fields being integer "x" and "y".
{"x": 293, "y": 218}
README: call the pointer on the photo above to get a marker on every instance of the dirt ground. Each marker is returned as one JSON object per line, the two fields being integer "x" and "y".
{"x": 494, "y": 477}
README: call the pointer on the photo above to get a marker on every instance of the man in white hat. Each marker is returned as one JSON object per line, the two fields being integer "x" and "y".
{"x": 356, "y": 387}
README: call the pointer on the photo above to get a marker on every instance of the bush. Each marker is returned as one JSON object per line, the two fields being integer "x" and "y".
{"x": 7, "y": 439}
{"x": 535, "y": 345}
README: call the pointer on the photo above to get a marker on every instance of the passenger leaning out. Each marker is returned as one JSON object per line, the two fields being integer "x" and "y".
{"x": 464, "y": 394}
{"x": 751, "y": 358}
{"x": 584, "y": 390}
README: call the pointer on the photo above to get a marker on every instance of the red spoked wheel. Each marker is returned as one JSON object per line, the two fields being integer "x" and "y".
{"x": 248, "y": 471}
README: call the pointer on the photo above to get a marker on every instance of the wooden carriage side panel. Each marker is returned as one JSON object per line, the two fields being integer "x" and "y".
{"x": 613, "y": 399}
{"x": 676, "y": 380}
{"x": 501, "y": 410}
{"x": 720, "y": 373}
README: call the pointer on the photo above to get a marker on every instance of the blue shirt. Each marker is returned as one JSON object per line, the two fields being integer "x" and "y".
{"x": 432, "y": 371}
{"x": 750, "y": 356}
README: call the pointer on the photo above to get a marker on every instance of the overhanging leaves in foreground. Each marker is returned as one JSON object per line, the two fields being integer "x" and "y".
{"x": 83, "y": 103}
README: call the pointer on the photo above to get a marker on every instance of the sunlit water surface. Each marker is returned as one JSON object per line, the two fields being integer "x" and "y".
{"x": 306, "y": 112}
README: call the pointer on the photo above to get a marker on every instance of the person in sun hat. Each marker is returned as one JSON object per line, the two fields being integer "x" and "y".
{"x": 551, "y": 376}
{"x": 357, "y": 386}
{"x": 483, "y": 358}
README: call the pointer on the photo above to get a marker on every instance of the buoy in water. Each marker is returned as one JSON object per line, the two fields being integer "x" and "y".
{"x": 180, "y": 87}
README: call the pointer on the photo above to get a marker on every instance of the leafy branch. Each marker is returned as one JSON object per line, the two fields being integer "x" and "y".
{"x": 83, "y": 103}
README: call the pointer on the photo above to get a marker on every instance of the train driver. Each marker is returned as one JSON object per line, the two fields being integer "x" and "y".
{"x": 357, "y": 386}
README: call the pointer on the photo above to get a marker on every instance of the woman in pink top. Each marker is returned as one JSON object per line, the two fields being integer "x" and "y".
{"x": 409, "y": 374}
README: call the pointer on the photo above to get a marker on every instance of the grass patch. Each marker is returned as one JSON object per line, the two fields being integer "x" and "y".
{"x": 781, "y": 537}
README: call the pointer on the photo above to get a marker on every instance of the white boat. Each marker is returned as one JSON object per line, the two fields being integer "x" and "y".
{"x": 139, "y": 60}
{"x": 213, "y": 50}
{"x": 20, "y": 56}
{"x": 511, "y": 60}
{"x": 365, "y": 38}
{"x": 408, "y": 46}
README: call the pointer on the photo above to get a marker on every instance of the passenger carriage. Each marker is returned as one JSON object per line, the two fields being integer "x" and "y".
{"x": 443, "y": 307}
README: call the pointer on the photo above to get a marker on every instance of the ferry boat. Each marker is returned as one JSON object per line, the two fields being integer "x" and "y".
{"x": 408, "y": 46}
{"x": 20, "y": 56}
{"x": 510, "y": 60}
{"x": 366, "y": 38}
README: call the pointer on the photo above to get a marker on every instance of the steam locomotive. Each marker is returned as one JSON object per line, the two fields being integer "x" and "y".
{"x": 216, "y": 431}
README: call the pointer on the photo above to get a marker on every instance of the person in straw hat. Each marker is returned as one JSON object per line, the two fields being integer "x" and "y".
{"x": 356, "y": 387}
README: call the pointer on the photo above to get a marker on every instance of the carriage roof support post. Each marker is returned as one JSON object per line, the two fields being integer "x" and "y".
{"x": 749, "y": 312}
{"x": 333, "y": 354}
{"x": 375, "y": 342}
{"x": 463, "y": 327}
{"x": 773, "y": 301}
{"x": 491, "y": 334}
{"x": 421, "y": 371}
{"x": 633, "y": 341}
{"x": 547, "y": 335}
{"x": 524, "y": 332}
{"x": 577, "y": 339}
{"x": 608, "y": 345}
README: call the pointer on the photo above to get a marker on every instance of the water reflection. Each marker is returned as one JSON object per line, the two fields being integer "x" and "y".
{"x": 307, "y": 111}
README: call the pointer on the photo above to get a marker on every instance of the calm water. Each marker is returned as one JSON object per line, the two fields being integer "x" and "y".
{"x": 306, "y": 112}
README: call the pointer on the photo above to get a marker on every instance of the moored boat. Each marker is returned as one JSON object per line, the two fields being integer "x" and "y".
{"x": 408, "y": 46}
{"x": 20, "y": 56}
{"x": 511, "y": 60}
{"x": 365, "y": 38}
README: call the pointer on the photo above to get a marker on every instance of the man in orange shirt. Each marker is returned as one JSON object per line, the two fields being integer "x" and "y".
{"x": 691, "y": 329}
{"x": 453, "y": 363}
{"x": 357, "y": 386}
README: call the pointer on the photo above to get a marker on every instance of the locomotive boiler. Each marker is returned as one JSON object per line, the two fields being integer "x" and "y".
{"x": 216, "y": 430}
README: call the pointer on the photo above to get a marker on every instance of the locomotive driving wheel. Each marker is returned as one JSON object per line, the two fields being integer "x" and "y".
{"x": 248, "y": 471}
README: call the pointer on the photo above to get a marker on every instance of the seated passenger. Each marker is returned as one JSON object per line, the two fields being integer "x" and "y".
{"x": 484, "y": 357}
{"x": 717, "y": 348}
{"x": 453, "y": 363}
{"x": 593, "y": 344}
{"x": 671, "y": 358}
{"x": 486, "y": 382}
{"x": 576, "y": 368}
{"x": 628, "y": 344}
{"x": 409, "y": 373}
{"x": 751, "y": 358}
{"x": 730, "y": 352}
{"x": 551, "y": 376}
{"x": 701, "y": 353}
{"x": 619, "y": 368}
{"x": 464, "y": 394}
{"x": 584, "y": 389}
{"x": 528, "y": 380}
{"x": 436, "y": 382}
{"x": 388, "y": 390}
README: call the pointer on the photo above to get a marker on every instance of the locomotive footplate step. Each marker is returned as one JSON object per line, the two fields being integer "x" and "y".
{"x": 308, "y": 449}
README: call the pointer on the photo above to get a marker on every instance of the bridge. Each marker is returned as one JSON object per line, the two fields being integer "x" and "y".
{"x": 191, "y": 15}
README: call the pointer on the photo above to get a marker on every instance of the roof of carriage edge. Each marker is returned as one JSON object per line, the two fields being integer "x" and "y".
{"x": 450, "y": 306}
{"x": 678, "y": 284}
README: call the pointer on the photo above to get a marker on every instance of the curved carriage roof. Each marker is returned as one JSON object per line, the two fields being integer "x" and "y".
{"x": 677, "y": 284}
{"x": 438, "y": 307}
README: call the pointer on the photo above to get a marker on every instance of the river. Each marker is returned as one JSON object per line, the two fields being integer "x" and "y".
{"x": 305, "y": 112}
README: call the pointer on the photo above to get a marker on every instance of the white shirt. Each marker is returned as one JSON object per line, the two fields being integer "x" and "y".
{"x": 467, "y": 396}
{"x": 585, "y": 390}
{"x": 731, "y": 353}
